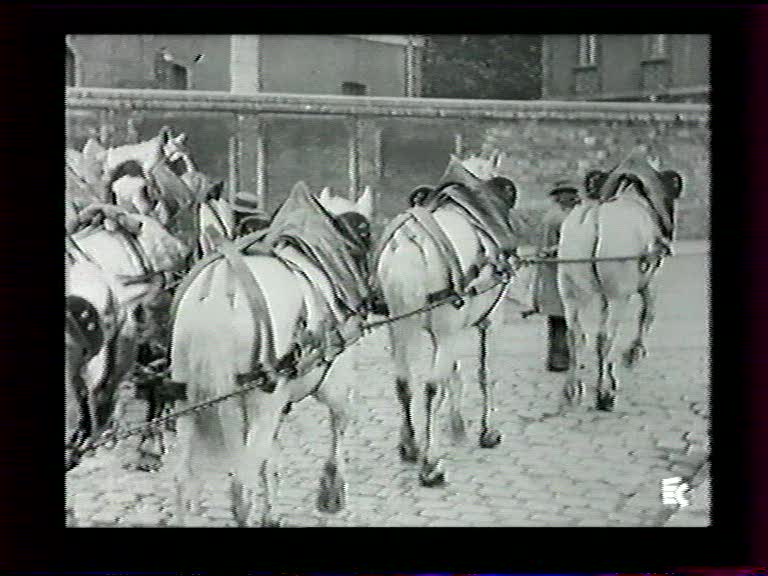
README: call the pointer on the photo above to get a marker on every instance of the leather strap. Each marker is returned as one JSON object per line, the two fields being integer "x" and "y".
{"x": 256, "y": 300}
{"x": 444, "y": 245}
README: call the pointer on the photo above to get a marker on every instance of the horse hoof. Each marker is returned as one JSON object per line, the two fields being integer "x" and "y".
{"x": 573, "y": 393}
{"x": 458, "y": 430}
{"x": 431, "y": 476}
{"x": 70, "y": 520}
{"x": 148, "y": 462}
{"x": 490, "y": 438}
{"x": 606, "y": 401}
{"x": 634, "y": 355}
{"x": 330, "y": 496}
{"x": 408, "y": 451}
{"x": 270, "y": 523}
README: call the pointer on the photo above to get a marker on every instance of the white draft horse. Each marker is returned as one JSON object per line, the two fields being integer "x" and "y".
{"x": 103, "y": 305}
{"x": 237, "y": 314}
{"x": 124, "y": 252}
{"x": 633, "y": 215}
{"x": 434, "y": 249}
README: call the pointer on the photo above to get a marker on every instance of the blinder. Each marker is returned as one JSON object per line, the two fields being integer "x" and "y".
{"x": 357, "y": 230}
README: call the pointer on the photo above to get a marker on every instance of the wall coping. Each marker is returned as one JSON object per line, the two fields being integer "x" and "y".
{"x": 210, "y": 101}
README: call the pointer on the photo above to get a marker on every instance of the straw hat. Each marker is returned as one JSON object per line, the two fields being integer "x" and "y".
{"x": 564, "y": 185}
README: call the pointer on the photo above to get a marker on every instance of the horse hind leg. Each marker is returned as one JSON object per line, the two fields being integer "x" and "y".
{"x": 187, "y": 484}
{"x": 455, "y": 391}
{"x": 431, "y": 473}
{"x": 255, "y": 463}
{"x": 637, "y": 350}
{"x": 573, "y": 391}
{"x": 399, "y": 337}
{"x": 616, "y": 313}
{"x": 331, "y": 494}
{"x": 489, "y": 437}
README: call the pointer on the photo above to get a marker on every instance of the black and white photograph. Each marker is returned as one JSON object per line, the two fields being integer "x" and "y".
{"x": 387, "y": 280}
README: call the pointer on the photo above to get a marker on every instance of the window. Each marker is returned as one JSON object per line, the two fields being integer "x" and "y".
{"x": 353, "y": 89}
{"x": 655, "y": 46}
{"x": 69, "y": 65}
{"x": 587, "y": 49}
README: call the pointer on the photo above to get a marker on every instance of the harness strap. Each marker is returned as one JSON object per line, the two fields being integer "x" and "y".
{"x": 256, "y": 300}
{"x": 444, "y": 246}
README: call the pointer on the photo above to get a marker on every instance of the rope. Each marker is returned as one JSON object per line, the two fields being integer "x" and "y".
{"x": 366, "y": 328}
{"x": 144, "y": 426}
{"x": 530, "y": 261}
{"x": 369, "y": 326}
{"x": 140, "y": 428}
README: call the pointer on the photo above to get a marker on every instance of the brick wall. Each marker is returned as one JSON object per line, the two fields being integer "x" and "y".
{"x": 396, "y": 144}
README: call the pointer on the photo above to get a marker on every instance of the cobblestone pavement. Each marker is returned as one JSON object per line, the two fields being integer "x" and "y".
{"x": 574, "y": 467}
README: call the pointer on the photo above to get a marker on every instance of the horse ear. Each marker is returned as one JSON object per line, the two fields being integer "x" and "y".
{"x": 365, "y": 203}
{"x": 325, "y": 195}
{"x": 592, "y": 182}
{"x": 673, "y": 182}
{"x": 164, "y": 134}
{"x": 93, "y": 149}
{"x": 300, "y": 187}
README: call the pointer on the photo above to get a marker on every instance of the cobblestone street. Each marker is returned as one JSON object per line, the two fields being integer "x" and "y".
{"x": 554, "y": 467}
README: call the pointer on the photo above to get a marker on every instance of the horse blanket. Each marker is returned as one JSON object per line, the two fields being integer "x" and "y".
{"x": 303, "y": 222}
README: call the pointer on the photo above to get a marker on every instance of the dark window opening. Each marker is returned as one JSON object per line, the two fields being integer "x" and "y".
{"x": 353, "y": 89}
{"x": 168, "y": 74}
{"x": 178, "y": 80}
{"x": 69, "y": 67}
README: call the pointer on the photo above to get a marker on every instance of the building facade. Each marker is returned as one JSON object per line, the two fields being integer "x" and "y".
{"x": 372, "y": 65}
{"x": 626, "y": 67}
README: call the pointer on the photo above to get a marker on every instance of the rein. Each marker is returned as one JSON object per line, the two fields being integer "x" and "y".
{"x": 521, "y": 261}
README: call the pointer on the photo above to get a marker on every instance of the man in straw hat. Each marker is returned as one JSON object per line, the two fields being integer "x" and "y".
{"x": 546, "y": 298}
{"x": 248, "y": 216}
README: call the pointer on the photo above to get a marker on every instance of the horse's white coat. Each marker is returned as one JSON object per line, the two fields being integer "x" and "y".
{"x": 213, "y": 339}
{"x": 130, "y": 193}
{"x": 410, "y": 268}
{"x": 624, "y": 226}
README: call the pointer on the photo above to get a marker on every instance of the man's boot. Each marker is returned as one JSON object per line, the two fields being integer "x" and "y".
{"x": 558, "y": 357}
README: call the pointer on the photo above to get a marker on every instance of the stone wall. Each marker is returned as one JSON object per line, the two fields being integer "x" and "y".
{"x": 264, "y": 144}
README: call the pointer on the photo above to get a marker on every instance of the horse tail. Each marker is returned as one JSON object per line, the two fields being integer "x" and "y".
{"x": 204, "y": 354}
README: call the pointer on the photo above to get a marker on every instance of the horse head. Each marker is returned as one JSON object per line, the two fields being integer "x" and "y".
{"x": 133, "y": 192}
{"x": 338, "y": 205}
{"x": 351, "y": 218}
{"x": 482, "y": 176}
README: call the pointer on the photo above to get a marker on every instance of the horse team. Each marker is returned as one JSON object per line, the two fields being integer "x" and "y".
{"x": 151, "y": 257}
